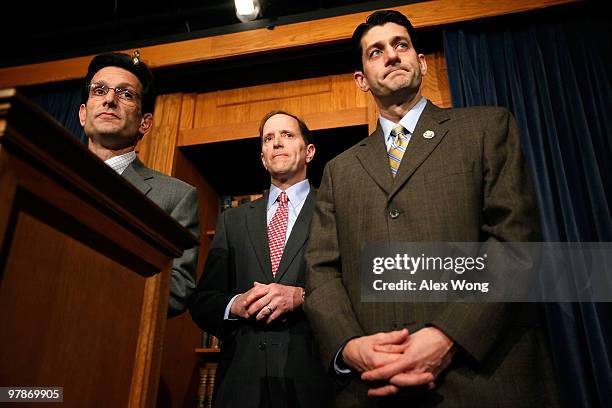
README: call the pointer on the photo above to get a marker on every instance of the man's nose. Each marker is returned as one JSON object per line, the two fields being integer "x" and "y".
{"x": 392, "y": 56}
{"x": 278, "y": 140}
{"x": 110, "y": 98}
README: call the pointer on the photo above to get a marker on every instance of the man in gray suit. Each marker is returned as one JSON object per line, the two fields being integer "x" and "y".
{"x": 432, "y": 175}
{"x": 117, "y": 110}
{"x": 251, "y": 292}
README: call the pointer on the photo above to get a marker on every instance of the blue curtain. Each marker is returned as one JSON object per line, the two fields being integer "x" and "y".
{"x": 61, "y": 102}
{"x": 555, "y": 75}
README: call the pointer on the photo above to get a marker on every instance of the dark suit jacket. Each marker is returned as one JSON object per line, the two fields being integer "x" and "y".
{"x": 180, "y": 201}
{"x": 468, "y": 183}
{"x": 282, "y": 355}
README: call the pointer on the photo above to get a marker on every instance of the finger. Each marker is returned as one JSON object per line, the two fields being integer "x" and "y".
{"x": 383, "y": 391}
{"x": 256, "y": 293}
{"x": 256, "y": 306}
{"x": 274, "y": 315}
{"x": 386, "y": 371}
{"x": 411, "y": 379}
{"x": 242, "y": 312}
{"x": 237, "y": 308}
{"x": 263, "y": 313}
{"x": 393, "y": 337}
{"x": 390, "y": 348}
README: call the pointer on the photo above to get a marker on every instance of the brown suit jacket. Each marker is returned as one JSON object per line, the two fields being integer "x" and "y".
{"x": 468, "y": 183}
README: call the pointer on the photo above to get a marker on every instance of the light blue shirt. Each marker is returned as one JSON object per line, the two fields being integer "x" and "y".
{"x": 121, "y": 162}
{"x": 296, "y": 195}
{"x": 409, "y": 122}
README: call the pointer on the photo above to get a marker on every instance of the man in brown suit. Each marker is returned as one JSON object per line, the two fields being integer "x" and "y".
{"x": 462, "y": 179}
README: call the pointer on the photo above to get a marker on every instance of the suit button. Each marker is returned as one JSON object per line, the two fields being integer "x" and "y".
{"x": 262, "y": 345}
{"x": 394, "y": 213}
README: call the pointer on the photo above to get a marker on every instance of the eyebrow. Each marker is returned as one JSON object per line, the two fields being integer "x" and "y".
{"x": 280, "y": 131}
{"x": 123, "y": 85}
{"x": 380, "y": 43}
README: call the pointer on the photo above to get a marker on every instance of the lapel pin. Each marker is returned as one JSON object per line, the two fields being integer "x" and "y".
{"x": 428, "y": 134}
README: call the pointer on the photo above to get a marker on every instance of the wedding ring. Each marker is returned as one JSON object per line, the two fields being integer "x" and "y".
{"x": 269, "y": 309}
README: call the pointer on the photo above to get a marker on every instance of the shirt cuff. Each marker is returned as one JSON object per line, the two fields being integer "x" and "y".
{"x": 228, "y": 308}
{"x": 339, "y": 366}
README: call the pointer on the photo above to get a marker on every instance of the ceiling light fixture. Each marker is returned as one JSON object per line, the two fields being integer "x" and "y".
{"x": 247, "y": 10}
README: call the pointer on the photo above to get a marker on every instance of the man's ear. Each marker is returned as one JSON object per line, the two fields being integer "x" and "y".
{"x": 310, "y": 152}
{"x": 361, "y": 81}
{"x": 422, "y": 64}
{"x": 82, "y": 114}
{"x": 263, "y": 162}
{"x": 146, "y": 123}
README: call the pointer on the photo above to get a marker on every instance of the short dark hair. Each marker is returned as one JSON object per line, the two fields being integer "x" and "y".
{"x": 306, "y": 133}
{"x": 135, "y": 66}
{"x": 379, "y": 18}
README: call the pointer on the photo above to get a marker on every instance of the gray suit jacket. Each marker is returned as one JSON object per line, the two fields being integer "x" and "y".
{"x": 468, "y": 183}
{"x": 282, "y": 355}
{"x": 180, "y": 201}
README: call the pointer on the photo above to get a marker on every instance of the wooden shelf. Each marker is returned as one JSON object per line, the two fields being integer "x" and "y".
{"x": 206, "y": 350}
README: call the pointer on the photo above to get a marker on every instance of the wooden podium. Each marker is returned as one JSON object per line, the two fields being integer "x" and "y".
{"x": 84, "y": 267}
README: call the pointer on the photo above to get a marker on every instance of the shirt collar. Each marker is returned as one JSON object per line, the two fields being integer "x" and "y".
{"x": 121, "y": 162}
{"x": 409, "y": 121}
{"x": 296, "y": 193}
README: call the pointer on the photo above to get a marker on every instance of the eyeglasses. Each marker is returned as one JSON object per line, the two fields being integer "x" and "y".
{"x": 126, "y": 95}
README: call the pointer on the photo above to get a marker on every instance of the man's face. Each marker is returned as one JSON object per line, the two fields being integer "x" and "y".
{"x": 390, "y": 62}
{"x": 110, "y": 121}
{"x": 284, "y": 153}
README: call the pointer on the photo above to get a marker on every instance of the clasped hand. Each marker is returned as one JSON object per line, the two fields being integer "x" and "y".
{"x": 267, "y": 301}
{"x": 400, "y": 359}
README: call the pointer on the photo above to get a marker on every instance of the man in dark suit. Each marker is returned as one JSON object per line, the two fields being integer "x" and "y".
{"x": 117, "y": 110}
{"x": 432, "y": 175}
{"x": 251, "y": 292}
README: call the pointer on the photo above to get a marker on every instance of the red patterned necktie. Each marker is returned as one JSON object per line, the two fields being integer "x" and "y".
{"x": 277, "y": 229}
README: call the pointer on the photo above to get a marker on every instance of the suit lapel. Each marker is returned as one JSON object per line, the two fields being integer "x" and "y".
{"x": 420, "y": 148}
{"x": 137, "y": 175}
{"x": 372, "y": 149}
{"x": 257, "y": 230}
{"x": 299, "y": 235}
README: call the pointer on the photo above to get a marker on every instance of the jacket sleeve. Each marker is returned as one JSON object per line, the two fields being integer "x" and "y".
{"x": 182, "y": 285}
{"x": 509, "y": 214}
{"x": 215, "y": 288}
{"x": 327, "y": 305}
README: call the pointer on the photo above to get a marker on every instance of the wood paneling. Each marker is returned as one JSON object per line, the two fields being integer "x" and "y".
{"x": 244, "y": 130}
{"x": 293, "y": 36}
{"x": 435, "y": 84}
{"x": 324, "y": 103}
{"x": 156, "y": 149}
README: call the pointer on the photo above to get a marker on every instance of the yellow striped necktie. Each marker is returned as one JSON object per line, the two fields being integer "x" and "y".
{"x": 398, "y": 148}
